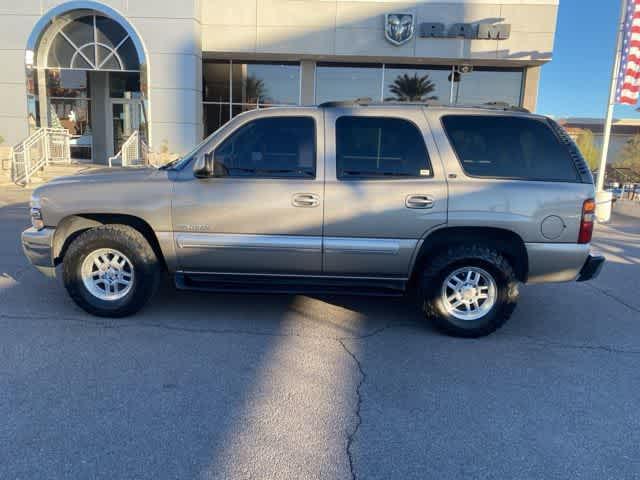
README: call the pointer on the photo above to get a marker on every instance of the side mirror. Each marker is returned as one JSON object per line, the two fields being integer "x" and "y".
{"x": 205, "y": 167}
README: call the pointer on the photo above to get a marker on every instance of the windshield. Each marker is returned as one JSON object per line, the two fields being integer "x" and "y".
{"x": 180, "y": 162}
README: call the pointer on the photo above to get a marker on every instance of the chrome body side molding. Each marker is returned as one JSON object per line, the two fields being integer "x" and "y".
{"x": 310, "y": 244}
{"x": 367, "y": 246}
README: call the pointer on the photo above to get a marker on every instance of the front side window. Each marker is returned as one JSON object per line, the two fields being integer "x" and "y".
{"x": 276, "y": 147}
{"x": 379, "y": 148}
{"x": 509, "y": 147}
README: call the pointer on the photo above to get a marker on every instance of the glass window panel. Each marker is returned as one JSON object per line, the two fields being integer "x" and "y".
{"x": 281, "y": 147}
{"x": 124, "y": 85}
{"x": 129, "y": 55}
{"x": 67, "y": 83}
{"x": 215, "y": 81}
{"x": 379, "y": 148}
{"x": 60, "y": 53}
{"x": 482, "y": 86}
{"x": 80, "y": 31}
{"x": 334, "y": 83}
{"x": 107, "y": 61}
{"x": 32, "y": 81}
{"x": 33, "y": 109}
{"x": 109, "y": 32}
{"x": 509, "y": 147}
{"x": 404, "y": 84}
{"x": 266, "y": 83}
{"x": 72, "y": 114}
{"x": 81, "y": 62}
{"x": 215, "y": 115}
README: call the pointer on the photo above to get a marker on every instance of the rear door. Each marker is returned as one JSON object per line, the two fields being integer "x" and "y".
{"x": 384, "y": 190}
{"x": 263, "y": 212}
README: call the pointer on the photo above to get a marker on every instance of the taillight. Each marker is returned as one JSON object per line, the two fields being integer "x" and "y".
{"x": 586, "y": 222}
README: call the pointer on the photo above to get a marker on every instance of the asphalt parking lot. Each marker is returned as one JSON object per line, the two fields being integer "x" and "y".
{"x": 280, "y": 387}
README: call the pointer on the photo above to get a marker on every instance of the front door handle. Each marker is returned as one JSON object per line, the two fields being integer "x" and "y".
{"x": 418, "y": 201}
{"x": 305, "y": 200}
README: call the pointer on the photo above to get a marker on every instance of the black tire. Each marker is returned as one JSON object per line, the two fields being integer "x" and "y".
{"x": 480, "y": 256}
{"x": 130, "y": 242}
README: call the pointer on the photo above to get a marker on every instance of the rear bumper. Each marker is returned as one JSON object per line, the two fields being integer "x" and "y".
{"x": 591, "y": 268}
{"x": 38, "y": 248}
{"x": 555, "y": 262}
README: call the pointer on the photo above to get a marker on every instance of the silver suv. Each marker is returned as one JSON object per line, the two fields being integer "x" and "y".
{"x": 454, "y": 205}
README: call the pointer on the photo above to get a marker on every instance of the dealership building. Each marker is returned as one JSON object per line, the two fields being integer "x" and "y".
{"x": 176, "y": 70}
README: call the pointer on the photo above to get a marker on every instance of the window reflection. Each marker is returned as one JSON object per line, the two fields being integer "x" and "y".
{"x": 336, "y": 82}
{"x": 67, "y": 83}
{"x": 488, "y": 85}
{"x": 268, "y": 84}
{"x": 124, "y": 85}
{"x": 416, "y": 84}
{"x": 231, "y": 87}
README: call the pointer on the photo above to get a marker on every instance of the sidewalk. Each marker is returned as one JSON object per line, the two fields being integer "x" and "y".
{"x": 45, "y": 175}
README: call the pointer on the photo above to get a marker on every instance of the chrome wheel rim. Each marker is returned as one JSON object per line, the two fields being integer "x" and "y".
{"x": 107, "y": 274}
{"x": 469, "y": 293}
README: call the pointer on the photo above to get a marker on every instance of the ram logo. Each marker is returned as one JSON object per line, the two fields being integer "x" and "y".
{"x": 398, "y": 27}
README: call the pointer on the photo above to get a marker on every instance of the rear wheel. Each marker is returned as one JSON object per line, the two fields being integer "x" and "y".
{"x": 111, "y": 271}
{"x": 469, "y": 290}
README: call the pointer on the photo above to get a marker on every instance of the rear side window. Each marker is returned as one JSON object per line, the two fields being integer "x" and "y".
{"x": 379, "y": 148}
{"x": 509, "y": 147}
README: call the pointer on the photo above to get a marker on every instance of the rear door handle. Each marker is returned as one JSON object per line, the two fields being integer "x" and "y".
{"x": 305, "y": 200}
{"x": 418, "y": 201}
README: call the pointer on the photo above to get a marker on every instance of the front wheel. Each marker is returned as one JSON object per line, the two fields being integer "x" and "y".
{"x": 111, "y": 271}
{"x": 469, "y": 290}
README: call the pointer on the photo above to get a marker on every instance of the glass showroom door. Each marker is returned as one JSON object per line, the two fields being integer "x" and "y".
{"x": 126, "y": 119}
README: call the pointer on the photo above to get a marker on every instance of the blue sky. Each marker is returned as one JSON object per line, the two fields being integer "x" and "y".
{"x": 576, "y": 82}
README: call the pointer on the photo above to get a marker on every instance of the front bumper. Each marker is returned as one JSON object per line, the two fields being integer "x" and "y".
{"x": 38, "y": 248}
{"x": 591, "y": 268}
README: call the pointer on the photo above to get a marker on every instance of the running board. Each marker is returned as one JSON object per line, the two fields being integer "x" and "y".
{"x": 289, "y": 284}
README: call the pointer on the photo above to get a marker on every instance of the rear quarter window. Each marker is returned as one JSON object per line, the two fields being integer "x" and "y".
{"x": 492, "y": 146}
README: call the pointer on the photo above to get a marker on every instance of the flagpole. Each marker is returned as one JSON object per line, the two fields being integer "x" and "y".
{"x": 612, "y": 99}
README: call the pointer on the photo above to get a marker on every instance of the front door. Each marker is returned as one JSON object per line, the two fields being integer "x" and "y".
{"x": 385, "y": 189}
{"x": 262, "y": 213}
{"x": 126, "y": 118}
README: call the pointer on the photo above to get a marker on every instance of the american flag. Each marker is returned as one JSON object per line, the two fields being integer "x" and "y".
{"x": 628, "y": 85}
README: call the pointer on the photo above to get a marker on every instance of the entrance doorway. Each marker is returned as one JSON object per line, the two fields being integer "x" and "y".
{"x": 85, "y": 76}
{"x": 127, "y": 116}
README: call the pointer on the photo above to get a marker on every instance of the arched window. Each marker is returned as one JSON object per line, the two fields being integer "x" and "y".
{"x": 93, "y": 42}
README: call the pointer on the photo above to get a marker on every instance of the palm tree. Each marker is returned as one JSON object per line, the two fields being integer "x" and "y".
{"x": 412, "y": 89}
{"x": 254, "y": 89}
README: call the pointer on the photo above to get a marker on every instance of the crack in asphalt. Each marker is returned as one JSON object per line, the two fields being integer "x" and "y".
{"x": 579, "y": 346}
{"x": 351, "y": 435}
{"x": 614, "y": 297}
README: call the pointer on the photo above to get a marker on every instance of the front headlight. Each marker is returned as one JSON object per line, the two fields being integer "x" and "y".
{"x": 36, "y": 214}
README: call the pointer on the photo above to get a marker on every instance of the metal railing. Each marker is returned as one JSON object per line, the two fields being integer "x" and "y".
{"x": 41, "y": 148}
{"x": 133, "y": 153}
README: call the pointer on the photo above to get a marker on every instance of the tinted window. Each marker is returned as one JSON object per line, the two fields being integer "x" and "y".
{"x": 270, "y": 147}
{"x": 509, "y": 147}
{"x": 370, "y": 147}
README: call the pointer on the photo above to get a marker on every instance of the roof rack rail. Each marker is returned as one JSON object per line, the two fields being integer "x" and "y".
{"x": 358, "y": 102}
{"x": 507, "y": 107}
{"x": 368, "y": 101}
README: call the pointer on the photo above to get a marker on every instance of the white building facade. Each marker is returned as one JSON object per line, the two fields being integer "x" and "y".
{"x": 176, "y": 70}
